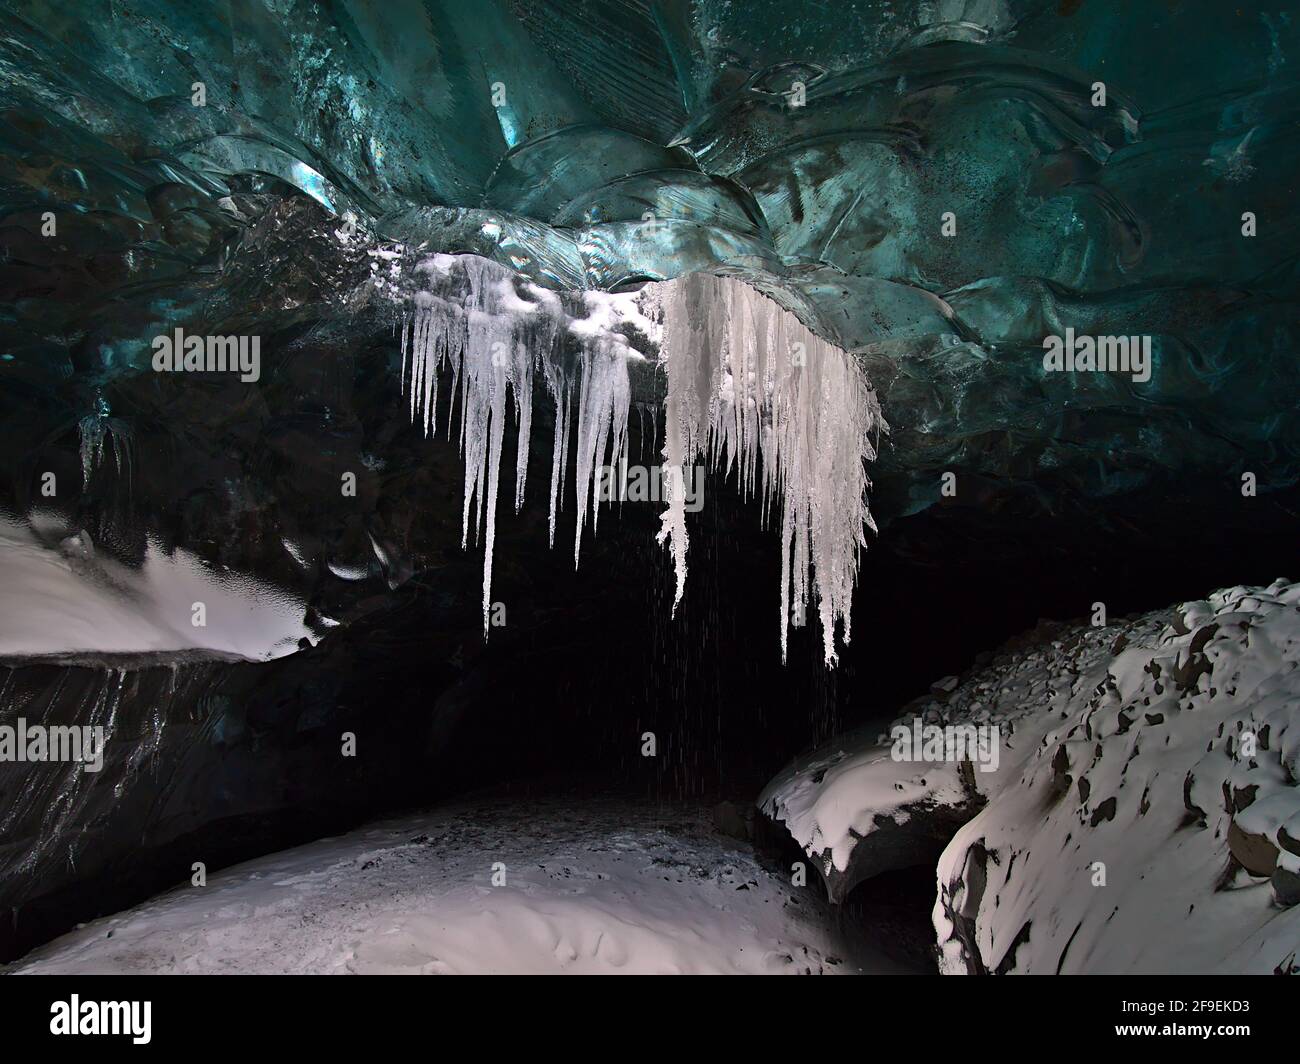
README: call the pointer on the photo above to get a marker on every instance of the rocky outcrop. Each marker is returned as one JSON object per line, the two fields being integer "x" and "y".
{"x": 1144, "y": 815}
{"x": 860, "y": 807}
{"x": 1169, "y": 853}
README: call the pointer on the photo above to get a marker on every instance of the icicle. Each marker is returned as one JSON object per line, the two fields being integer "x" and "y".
{"x": 98, "y": 433}
{"x": 492, "y": 339}
{"x": 560, "y": 387}
{"x": 749, "y": 389}
{"x": 748, "y": 381}
{"x": 604, "y": 401}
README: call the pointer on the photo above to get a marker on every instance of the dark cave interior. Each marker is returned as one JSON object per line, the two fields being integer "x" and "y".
{"x": 557, "y": 700}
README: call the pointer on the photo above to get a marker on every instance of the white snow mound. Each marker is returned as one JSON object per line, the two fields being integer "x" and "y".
{"x": 1145, "y": 812}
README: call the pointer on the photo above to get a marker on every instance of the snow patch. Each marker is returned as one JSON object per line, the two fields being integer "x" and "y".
{"x": 77, "y": 600}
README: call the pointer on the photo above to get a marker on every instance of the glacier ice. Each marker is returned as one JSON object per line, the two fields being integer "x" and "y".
{"x": 642, "y": 142}
{"x": 750, "y": 390}
{"x": 100, "y": 433}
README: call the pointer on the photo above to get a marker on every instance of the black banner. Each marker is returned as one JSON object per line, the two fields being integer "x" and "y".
{"x": 340, "y": 1015}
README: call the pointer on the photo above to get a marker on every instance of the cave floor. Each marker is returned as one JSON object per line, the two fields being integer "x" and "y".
{"x": 496, "y": 884}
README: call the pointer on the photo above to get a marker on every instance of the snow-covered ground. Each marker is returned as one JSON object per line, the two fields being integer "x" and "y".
{"x": 589, "y": 887}
{"x": 1144, "y": 814}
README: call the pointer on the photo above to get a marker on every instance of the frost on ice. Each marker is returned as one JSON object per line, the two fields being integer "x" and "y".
{"x": 750, "y": 390}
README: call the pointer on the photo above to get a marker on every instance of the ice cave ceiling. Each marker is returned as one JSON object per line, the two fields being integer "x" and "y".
{"x": 933, "y": 186}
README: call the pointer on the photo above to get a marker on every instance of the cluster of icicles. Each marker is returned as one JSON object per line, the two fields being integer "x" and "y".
{"x": 750, "y": 390}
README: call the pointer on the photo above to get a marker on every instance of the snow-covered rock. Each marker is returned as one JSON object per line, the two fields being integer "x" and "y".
{"x": 481, "y": 887}
{"x": 74, "y": 601}
{"x": 1141, "y": 813}
{"x": 859, "y": 807}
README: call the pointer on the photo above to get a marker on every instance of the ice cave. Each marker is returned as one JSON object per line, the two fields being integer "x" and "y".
{"x": 649, "y": 486}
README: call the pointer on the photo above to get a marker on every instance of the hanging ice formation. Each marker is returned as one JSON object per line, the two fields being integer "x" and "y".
{"x": 99, "y": 432}
{"x": 747, "y": 381}
{"x": 749, "y": 389}
{"x": 492, "y": 339}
